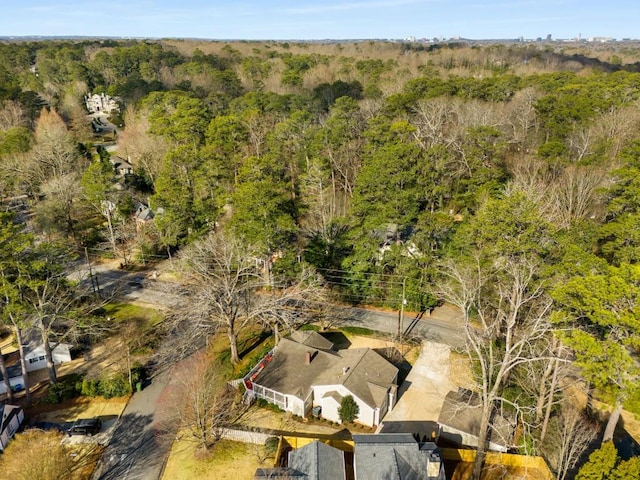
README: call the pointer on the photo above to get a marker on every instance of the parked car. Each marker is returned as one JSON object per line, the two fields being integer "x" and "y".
{"x": 85, "y": 426}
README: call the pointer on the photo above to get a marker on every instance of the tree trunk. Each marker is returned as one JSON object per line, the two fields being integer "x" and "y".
{"x": 552, "y": 391}
{"x": 48, "y": 354}
{"x": 5, "y": 378}
{"x": 23, "y": 364}
{"x": 276, "y": 334}
{"x": 543, "y": 390}
{"x": 613, "y": 421}
{"x": 233, "y": 343}
{"x": 483, "y": 442}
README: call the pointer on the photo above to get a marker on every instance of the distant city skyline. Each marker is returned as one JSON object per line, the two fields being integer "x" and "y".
{"x": 317, "y": 20}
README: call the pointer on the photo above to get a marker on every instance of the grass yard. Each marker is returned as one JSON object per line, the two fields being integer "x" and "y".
{"x": 121, "y": 312}
{"x": 227, "y": 461}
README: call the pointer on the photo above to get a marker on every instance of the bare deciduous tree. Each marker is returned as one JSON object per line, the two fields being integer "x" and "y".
{"x": 39, "y": 454}
{"x": 225, "y": 287}
{"x": 570, "y": 435}
{"x": 506, "y": 313}
{"x": 202, "y": 405}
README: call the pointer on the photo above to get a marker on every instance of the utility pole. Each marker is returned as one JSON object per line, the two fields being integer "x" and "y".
{"x": 403, "y": 301}
{"x": 94, "y": 278}
{"x": 86, "y": 256}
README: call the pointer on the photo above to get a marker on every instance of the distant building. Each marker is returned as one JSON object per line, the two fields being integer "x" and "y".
{"x": 101, "y": 103}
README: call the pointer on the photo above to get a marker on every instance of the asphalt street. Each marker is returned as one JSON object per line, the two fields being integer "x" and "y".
{"x": 142, "y": 438}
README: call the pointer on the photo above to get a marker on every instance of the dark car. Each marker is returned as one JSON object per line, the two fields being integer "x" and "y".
{"x": 85, "y": 426}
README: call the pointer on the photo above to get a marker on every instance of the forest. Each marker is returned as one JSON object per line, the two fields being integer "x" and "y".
{"x": 504, "y": 179}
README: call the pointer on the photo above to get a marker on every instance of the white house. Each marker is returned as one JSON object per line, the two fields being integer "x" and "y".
{"x": 12, "y": 416}
{"x": 34, "y": 355}
{"x": 101, "y": 103}
{"x": 304, "y": 371}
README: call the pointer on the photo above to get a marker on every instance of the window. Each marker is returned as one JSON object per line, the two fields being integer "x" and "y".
{"x": 33, "y": 360}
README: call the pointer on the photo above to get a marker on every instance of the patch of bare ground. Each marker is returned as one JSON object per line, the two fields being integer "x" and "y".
{"x": 578, "y": 395}
{"x": 461, "y": 373}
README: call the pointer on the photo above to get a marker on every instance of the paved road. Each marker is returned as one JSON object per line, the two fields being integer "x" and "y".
{"x": 443, "y": 325}
{"x": 141, "y": 441}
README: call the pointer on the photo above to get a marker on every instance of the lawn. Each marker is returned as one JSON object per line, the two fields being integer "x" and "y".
{"x": 120, "y": 312}
{"x": 227, "y": 461}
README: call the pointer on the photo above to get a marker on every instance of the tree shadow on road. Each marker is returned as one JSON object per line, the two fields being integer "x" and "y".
{"x": 136, "y": 448}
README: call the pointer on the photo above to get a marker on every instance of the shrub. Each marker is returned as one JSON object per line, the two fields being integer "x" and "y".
{"x": 65, "y": 389}
{"x": 114, "y": 386}
{"x": 90, "y": 388}
{"x": 348, "y": 410}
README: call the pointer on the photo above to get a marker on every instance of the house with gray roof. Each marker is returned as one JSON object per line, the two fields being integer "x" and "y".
{"x": 396, "y": 456}
{"x": 303, "y": 371}
{"x": 318, "y": 461}
{"x": 460, "y": 422}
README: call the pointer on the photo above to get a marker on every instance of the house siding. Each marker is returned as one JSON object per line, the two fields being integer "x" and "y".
{"x": 11, "y": 426}
{"x": 14, "y": 382}
{"x": 36, "y": 359}
{"x": 366, "y": 415}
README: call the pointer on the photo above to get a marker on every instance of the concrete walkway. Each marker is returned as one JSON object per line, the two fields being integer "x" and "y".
{"x": 422, "y": 394}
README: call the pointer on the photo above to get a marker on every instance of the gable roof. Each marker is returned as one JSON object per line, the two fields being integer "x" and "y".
{"x": 461, "y": 410}
{"x": 318, "y": 461}
{"x": 10, "y": 411}
{"x": 278, "y": 473}
{"x": 311, "y": 339}
{"x": 394, "y": 456}
{"x": 120, "y": 163}
{"x": 365, "y": 373}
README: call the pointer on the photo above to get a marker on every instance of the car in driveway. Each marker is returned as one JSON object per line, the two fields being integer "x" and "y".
{"x": 85, "y": 426}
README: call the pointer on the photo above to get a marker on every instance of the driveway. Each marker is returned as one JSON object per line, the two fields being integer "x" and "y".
{"x": 422, "y": 394}
{"x": 140, "y": 444}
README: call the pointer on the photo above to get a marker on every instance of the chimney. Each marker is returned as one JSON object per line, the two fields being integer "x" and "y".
{"x": 345, "y": 370}
{"x": 308, "y": 358}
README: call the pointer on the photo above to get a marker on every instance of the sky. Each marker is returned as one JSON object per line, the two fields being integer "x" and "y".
{"x": 322, "y": 19}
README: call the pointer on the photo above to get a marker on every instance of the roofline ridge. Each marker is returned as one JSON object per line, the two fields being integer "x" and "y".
{"x": 351, "y": 370}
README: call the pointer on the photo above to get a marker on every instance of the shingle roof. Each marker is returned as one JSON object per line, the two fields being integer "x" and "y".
{"x": 394, "y": 456}
{"x": 362, "y": 371}
{"x": 318, "y": 461}
{"x": 279, "y": 473}
{"x": 311, "y": 339}
{"x": 461, "y": 411}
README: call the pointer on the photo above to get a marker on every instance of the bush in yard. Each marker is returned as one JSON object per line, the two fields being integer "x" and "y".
{"x": 348, "y": 410}
{"x": 114, "y": 386}
{"x": 90, "y": 388}
{"x": 63, "y": 390}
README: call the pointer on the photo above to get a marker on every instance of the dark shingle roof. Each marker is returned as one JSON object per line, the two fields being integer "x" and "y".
{"x": 394, "y": 456}
{"x": 318, "y": 461}
{"x": 365, "y": 373}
